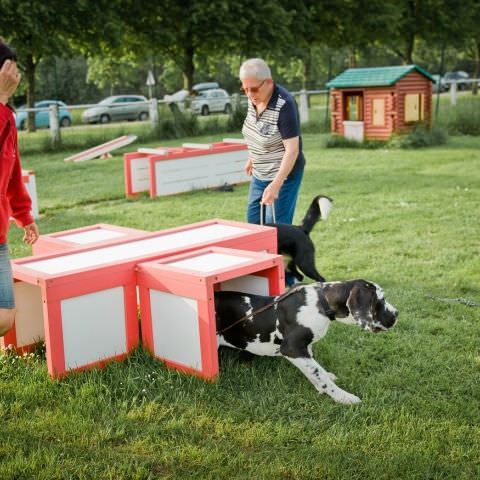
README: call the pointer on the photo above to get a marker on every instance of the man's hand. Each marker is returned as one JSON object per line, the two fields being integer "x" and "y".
{"x": 31, "y": 233}
{"x": 249, "y": 167}
{"x": 270, "y": 194}
{"x": 9, "y": 79}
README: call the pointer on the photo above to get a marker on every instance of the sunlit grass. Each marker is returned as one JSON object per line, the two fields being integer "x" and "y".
{"x": 405, "y": 219}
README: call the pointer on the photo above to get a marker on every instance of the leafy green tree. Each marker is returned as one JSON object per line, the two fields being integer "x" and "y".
{"x": 184, "y": 30}
{"x": 43, "y": 30}
{"x": 30, "y": 27}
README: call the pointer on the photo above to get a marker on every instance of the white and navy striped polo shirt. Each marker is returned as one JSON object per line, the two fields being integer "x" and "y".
{"x": 264, "y": 134}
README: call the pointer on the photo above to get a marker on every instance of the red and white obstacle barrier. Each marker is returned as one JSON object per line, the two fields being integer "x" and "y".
{"x": 177, "y": 301}
{"x": 166, "y": 171}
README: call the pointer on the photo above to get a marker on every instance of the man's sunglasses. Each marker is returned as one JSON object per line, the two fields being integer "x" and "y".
{"x": 252, "y": 89}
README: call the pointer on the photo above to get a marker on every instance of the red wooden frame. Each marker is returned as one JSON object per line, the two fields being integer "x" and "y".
{"x": 163, "y": 276}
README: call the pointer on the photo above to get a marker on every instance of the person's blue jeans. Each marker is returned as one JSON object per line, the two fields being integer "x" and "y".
{"x": 284, "y": 204}
{"x": 7, "y": 299}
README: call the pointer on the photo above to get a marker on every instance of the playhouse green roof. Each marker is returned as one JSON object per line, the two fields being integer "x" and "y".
{"x": 374, "y": 77}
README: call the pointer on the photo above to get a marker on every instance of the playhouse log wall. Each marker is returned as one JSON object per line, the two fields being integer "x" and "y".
{"x": 414, "y": 82}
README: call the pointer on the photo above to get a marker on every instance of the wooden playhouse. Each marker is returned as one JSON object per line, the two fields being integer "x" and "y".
{"x": 374, "y": 103}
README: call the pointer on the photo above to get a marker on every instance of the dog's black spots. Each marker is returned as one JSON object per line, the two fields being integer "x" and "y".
{"x": 295, "y": 344}
{"x": 277, "y": 340}
{"x": 255, "y": 327}
{"x": 324, "y": 386}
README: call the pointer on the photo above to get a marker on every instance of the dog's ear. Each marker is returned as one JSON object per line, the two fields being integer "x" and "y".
{"x": 361, "y": 302}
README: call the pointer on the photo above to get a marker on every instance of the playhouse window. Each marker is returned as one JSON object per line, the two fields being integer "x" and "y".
{"x": 354, "y": 107}
{"x": 414, "y": 107}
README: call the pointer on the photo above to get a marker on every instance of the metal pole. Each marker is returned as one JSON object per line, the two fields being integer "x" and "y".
{"x": 442, "y": 60}
{"x": 327, "y": 101}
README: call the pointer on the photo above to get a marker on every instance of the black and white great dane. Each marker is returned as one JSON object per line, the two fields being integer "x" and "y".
{"x": 288, "y": 325}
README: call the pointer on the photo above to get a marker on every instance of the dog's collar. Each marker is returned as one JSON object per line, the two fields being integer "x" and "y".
{"x": 326, "y": 306}
{"x": 321, "y": 298}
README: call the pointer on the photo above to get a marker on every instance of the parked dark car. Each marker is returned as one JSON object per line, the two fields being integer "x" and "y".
{"x": 439, "y": 85}
{"x": 460, "y": 77}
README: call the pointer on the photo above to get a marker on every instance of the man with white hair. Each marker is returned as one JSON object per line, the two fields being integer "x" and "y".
{"x": 272, "y": 132}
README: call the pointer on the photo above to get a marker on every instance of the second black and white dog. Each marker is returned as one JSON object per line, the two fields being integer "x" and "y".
{"x": 294, "y": 241}
{"x": 290, "y": 324}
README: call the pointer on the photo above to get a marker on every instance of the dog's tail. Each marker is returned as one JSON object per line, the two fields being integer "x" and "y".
{"x": 318, "y": 209}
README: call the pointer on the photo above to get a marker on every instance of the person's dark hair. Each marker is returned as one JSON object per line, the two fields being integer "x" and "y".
{"x": 6, "y": 52}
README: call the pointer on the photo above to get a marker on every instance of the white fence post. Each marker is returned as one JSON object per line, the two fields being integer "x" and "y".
{"x": 453, "y": 93}
{"x": 153, "y": 111}
{"x": 303, "y": 106}
{"x": 54, "y": 124}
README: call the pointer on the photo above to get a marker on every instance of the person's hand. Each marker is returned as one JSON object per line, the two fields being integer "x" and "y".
{"x": 249, "y": 167}
{"x": 9, "y": 80}
{"x": 31, "y": 233}
{"x": 270, "y": 194}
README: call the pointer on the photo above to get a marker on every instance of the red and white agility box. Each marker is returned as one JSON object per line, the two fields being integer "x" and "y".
{"x": 92, "y": 235}
{"x": 191, "y": 167}
{"x": 177, "y": 301}
{"x": 83, "y": 302}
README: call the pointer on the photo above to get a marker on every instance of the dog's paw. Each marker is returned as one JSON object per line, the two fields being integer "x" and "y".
{"x": 348, "y": 398}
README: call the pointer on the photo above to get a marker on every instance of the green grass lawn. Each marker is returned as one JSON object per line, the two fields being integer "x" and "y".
{"x": 408, "y": 220}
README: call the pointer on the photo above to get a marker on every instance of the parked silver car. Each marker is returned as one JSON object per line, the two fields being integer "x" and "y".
{"x": 117, "y": 107}
{"x": 209, "y": 101}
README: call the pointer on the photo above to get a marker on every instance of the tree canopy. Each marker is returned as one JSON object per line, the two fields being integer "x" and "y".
{"x": 194, "y": 39}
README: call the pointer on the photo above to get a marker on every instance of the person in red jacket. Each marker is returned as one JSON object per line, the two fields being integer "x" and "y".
{"x": 14, "y": 199}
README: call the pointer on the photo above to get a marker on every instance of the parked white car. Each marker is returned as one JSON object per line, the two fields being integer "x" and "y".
{"x": 206, "y": 98}
{"x": 210, "y": 101}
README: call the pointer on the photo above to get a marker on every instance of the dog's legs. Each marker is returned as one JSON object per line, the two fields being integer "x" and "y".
{"x": 321, "y": 380}
{"x": 292, "y": 268}
{"x": 309, "y": 269}
{"x": 331, "y": 376}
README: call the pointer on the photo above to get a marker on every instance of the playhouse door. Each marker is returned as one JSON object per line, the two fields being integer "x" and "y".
{"x": 353, "y": 123}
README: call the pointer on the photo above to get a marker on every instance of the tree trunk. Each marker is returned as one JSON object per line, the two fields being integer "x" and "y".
{"x": 307, "y": 73}
{"x": 409, "y": 51}
{"x": 188, "y": 67}
{"x": 352, "y": 58}
{"x": 307, "y": 70}
{"x": 30, "y": 66}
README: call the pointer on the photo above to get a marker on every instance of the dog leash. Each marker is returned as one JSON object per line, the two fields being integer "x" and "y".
{"x": 261, "y": 212}
{"x": 465, "y": 301}
{"x": 249, "y": 316}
